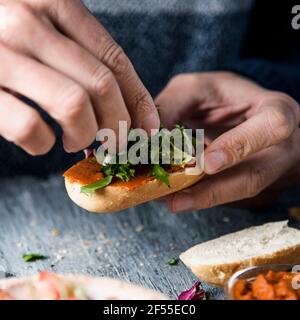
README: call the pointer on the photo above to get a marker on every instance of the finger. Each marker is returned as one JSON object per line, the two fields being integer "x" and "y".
{"x": 275, "y": 121}
{"x": 214, "y": 119}
{"x": 245, "y": 180}
{"x": 228, "y": 115}
{"x": 23, "y": 126}
{"x": 179, "y": 99}
{"x": 92, "y": 36}
{"x": 62, "y": 54}
{"x": 65, "y": 100}
{"x": 193, "y": 98}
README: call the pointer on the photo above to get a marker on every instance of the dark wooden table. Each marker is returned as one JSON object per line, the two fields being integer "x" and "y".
{"x": 135, "y": 245}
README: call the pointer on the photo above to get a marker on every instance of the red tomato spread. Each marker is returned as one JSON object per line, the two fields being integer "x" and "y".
{"x": 88, "y": 171}
{"x": 85, "y": 172}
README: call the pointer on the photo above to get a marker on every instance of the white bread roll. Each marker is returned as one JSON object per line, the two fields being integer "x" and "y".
{"x": 216, "y": 260}
{"x": 117, "y": 197}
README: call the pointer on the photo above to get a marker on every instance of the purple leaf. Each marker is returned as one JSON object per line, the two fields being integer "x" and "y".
{"x": 195, "y": 293}
{"x": 88, "y": 152}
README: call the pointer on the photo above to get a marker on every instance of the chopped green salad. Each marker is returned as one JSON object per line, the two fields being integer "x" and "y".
{"x": 127, "y": 171}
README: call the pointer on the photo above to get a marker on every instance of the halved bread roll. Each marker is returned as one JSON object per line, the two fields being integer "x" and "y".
{"x": 122, "y": 195}
{"x": 216, "y": 260}
{"x": 49, "y": 286}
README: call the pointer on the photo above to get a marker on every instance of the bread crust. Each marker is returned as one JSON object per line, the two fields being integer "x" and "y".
{"x": 100, "y": 288}
{"x": 219, "y": 274}
{"x": 115, "y": 198}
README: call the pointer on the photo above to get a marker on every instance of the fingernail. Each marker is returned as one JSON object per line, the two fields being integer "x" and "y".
{"x": 182, "y": 202}
{"x": 214, "y": 161}
{"x": 151, "y": 123}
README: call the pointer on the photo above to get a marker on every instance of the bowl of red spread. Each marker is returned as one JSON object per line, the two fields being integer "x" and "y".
{"x": 267, "y": 282}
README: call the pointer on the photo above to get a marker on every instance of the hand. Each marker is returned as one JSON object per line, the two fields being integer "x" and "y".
{"x": 253, "y": 133}
{"x": 58, "y": 55}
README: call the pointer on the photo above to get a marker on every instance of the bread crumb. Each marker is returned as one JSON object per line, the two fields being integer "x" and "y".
{"x": 87, "y": 244}
{"x": 139, "y": 229}
{"x": 107, "y": 242}
{"x": 55, "y": 232}
{"x": 172, "y": 246}
{"x": 59, "y": 256}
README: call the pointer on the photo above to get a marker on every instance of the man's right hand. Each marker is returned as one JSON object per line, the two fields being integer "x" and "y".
{"x": 58, "y": 55}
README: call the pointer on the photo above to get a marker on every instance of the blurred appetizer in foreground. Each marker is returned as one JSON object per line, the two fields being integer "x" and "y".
{"x": 50, "y": 286}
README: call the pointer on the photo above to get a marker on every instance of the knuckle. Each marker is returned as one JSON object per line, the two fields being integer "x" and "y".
{"x": 73, "y": 103}
{"x": 141, "y": 102}
{"x": 236, "y": 147}
{"x": 50, "y": 3}
{"x": 28, "y": 128}
{"x": 115, "y": 58}
{"x": 183, "y": 78}
{"x": 20, "y": 15}
{"x": 283, "y": 118}
{"x": 179, "y": 77}
{"x": 280, "y": 124}
{"x": 102, "y": 81}
{"x": 21, "y": 10}
{"x": 255, "y": 181}
{"x": 204, "y": 80}
{"x": 20, "y": 23}
{"x": 65, "y": 6}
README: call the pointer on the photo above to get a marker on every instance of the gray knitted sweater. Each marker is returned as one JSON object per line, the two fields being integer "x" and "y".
{"x": 166, "y": 37}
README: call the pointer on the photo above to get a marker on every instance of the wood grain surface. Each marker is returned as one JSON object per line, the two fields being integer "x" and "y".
{"x": 134, "y": 245}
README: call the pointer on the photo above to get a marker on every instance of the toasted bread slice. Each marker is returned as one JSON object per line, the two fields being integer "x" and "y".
{"x": 216, "y": 260}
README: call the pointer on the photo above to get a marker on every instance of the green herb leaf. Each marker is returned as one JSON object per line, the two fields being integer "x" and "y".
{"x": 125, "y": 172}
{"x": 160, "y": 174}
{"x": 122, "y": 171}
{"x": 90, "y": 188}
{"x": 32, "y": 257}
{"x": 173, "y": 262}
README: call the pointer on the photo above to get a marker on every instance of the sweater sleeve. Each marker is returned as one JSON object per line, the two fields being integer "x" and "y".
{"x": 278, "y": 76}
